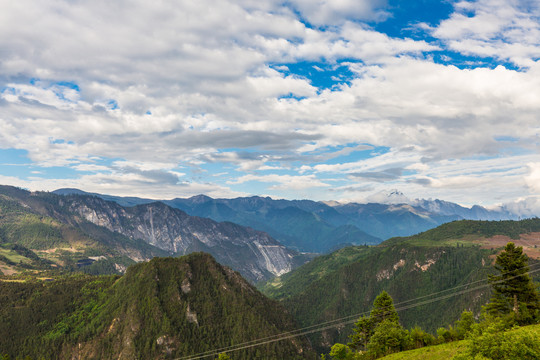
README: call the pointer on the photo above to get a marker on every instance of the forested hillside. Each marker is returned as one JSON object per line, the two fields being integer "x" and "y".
{"x": 165, "y": 308}
{"x": 448, "y": 257}
{"x": 98, "y": 236}
{"x": 36, "y": 232}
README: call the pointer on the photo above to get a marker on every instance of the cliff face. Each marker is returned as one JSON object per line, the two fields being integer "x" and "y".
{"x": 254, "y": 254}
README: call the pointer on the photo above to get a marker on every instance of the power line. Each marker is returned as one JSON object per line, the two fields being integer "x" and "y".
{"x": 351, "y": 318}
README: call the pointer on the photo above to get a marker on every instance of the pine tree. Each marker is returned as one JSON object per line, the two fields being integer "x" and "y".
{"x": 513, "y": 290}
{"x": 383, "y": 310}
{"x": 363, "y": 329}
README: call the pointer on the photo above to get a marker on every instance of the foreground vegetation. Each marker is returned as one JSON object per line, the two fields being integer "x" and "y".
{"x": 515, "y": 302}
{"x": 514, "y": 343}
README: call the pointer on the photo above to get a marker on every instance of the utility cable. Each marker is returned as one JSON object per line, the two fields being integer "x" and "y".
{"x": 351, "y": 318}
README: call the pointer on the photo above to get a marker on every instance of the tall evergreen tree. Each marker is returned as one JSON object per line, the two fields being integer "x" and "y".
{"x": 363, "y": 330}
{"x": 383, "y": 310}
{"x": 513, "y": 289}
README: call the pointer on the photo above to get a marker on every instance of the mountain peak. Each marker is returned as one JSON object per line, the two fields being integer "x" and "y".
{"x": 393, "y": 196}
{"x": 199, "y": 199}
{"x": 70, "y": 191}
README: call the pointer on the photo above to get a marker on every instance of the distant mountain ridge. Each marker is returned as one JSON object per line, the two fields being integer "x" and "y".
{"x": 311, "y": 226}
{"x": 90, "y": 229}
{"x": 253, "y": 253}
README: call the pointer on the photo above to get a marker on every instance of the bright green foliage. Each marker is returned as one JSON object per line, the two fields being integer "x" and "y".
{"x": 383, "y": 309}
{"x": 388, "y": 337}
{"x": 495, "y": 343}
{"x": 513, "y": 289}
{"x": 379, "y": 334}
{"x": 343, "y": 352}
{"x": 419, "y": 338}
{"x": 464, "y": 324}
{"x": 446, "y": 334}
{"x": 363, "y": 330}
{"x": 223, "y": 356}
{"x": 462, "y": 328}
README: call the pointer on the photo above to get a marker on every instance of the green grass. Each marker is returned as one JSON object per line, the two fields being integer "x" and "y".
{"x": 13, "y": 256}
{"x": 447, "y": 351}
{"x": 436, "y": 352}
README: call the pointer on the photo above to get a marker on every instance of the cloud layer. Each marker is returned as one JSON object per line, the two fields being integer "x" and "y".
{"x": 176, "y": 98}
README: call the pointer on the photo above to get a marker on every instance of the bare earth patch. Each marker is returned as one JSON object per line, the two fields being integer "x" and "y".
{"x": 53, "y": 250}
{"x": 6, "y": 270}
{"x": 530, "y": 243}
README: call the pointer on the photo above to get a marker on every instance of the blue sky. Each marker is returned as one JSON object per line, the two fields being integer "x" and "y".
{"x": 327, "y": 100}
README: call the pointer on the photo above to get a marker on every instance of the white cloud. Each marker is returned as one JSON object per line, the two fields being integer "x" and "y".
{"x": 508, "y": 30}
{"x": 124, "y": 185}
{"x": 324, "y": 12}
{"x": 533, "y": 177}
{"x": 164, "y": 85}
{"x": 283, "y": 182}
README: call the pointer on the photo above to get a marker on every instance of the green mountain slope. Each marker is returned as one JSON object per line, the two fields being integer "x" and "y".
{"x": 165, "y": 308}
{"x": 347, "y": 281}
{"x": 36, "y": 233}
{"x": 468, "y": 232}
{"x": 98, "y": 236}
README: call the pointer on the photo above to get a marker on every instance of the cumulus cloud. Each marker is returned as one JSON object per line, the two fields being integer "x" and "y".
{"x": 533, "y": 177}
{"x": 283, "y": 182}
{"x": 324, "y": 12}
{"x": 162, "y": 90}
{"x": 508, "y": 30}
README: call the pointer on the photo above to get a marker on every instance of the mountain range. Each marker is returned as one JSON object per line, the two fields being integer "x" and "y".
{"x": 167, "y": 304}
{"x": 318, "y": 227}
{"x": 44, "y": 222}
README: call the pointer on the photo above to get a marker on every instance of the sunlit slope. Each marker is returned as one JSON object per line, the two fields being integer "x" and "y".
{"x": 451, "y": 261}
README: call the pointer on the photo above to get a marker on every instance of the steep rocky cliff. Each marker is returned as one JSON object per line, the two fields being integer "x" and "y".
{"x": 253, "y": 253}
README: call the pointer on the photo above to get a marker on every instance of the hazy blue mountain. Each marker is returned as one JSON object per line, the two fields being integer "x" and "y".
{"x": 474, "y": 213}
{"x": 311, "y": 226}
{"x": 304, "y": 225}
{"x": 389, "y": 220}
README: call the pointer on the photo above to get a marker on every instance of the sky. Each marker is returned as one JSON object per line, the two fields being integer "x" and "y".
{"x": 301, "y": 99}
